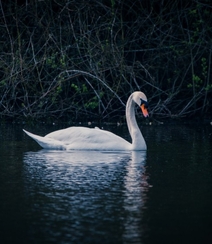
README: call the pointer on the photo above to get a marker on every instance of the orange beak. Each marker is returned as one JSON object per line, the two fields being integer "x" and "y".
{"x": 144, "y": 110}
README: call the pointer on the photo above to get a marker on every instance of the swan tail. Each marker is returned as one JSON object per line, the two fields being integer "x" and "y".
{"x": 46, "y": 142}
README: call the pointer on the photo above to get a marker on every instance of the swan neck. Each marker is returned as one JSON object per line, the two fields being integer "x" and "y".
{"x": 130, "y": 115}
{"x": 135, "y": 133}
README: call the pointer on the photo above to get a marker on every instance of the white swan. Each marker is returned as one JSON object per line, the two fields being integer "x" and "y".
{"x": 82, "y": 138}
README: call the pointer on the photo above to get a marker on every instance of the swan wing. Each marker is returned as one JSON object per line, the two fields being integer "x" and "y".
{"x": 82, "y": 138}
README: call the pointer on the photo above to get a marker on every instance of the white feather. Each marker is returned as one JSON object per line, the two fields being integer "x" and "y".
{"x": 82, "y": 138}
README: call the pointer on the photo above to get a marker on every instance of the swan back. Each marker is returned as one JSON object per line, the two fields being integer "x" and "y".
{"x": 82, "y": 138}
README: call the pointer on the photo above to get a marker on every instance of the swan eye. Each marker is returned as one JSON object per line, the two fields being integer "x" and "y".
{"x": 144, "y": 103}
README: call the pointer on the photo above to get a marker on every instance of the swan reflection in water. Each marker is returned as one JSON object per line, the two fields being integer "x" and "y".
{"x": 76, "y": 195}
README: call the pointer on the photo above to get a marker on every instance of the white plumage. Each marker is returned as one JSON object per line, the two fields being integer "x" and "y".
{"x": 82, "y": 138}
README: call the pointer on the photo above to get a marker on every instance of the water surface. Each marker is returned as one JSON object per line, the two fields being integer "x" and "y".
{"x": 159, "y": 196}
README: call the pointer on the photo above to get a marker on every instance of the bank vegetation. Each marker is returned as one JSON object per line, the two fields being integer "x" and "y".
{"x": 67, "y": 60}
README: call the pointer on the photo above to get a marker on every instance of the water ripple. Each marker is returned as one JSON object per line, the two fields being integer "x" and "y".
{"x": 85, "y": 196}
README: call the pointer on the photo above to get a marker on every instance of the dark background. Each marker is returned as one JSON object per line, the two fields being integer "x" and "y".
{"x": 72, "y": 60}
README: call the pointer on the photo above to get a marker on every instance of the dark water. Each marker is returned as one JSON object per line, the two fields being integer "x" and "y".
{"x": 160, "y": 196}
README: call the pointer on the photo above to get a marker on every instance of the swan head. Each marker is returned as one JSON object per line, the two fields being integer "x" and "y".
{"x": 141, "y": 99}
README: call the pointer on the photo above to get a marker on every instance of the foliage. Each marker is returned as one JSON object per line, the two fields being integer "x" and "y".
{"x": 73, "y": 59}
